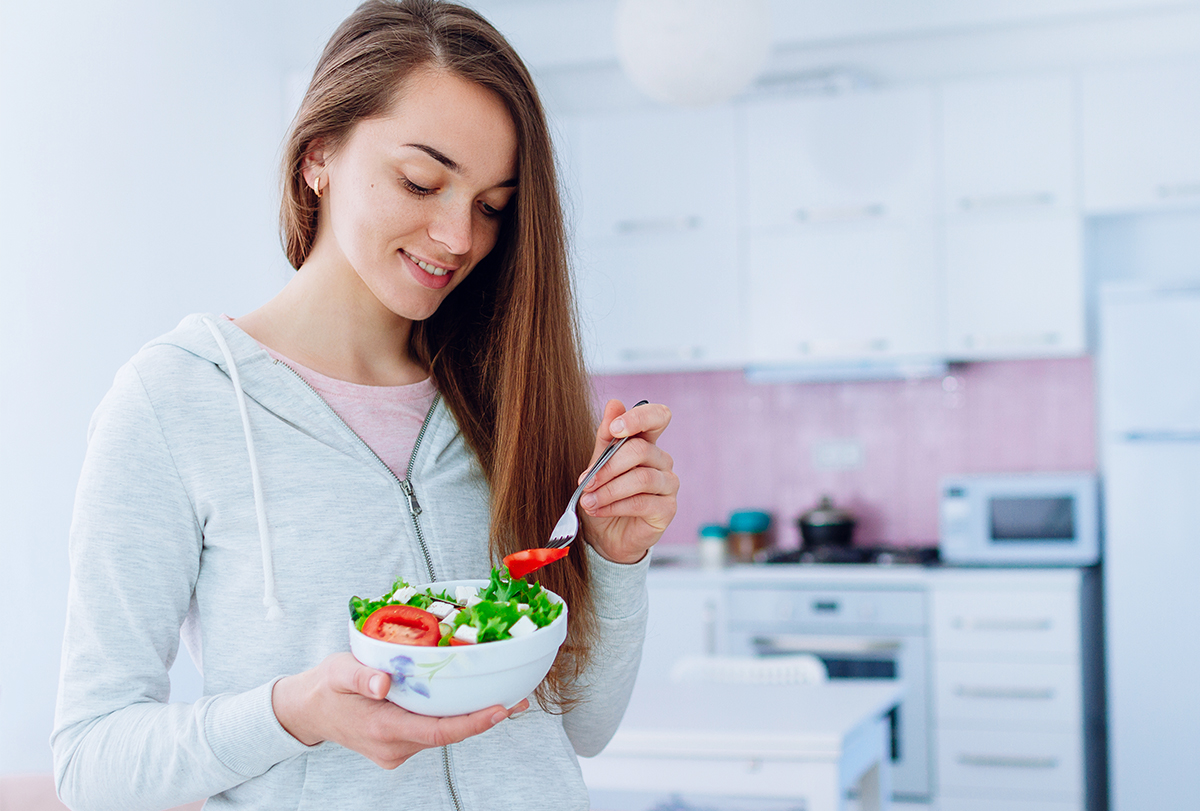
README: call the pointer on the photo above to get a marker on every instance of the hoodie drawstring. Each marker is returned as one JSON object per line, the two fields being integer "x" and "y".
{"x": 264, "y": 536}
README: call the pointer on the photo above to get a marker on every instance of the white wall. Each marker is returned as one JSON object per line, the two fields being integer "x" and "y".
{"x": 141, "y": 140}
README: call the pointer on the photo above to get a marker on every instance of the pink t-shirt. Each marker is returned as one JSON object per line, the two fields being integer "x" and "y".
{"x": 387, "y": 418}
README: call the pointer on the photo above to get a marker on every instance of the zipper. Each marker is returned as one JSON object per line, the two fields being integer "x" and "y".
{"x": 410, "y": 496}
{"x": 450, "y": 780}
{"x": 414, "y": 511}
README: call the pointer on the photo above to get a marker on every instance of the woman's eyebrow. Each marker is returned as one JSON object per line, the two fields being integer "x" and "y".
{"x": 451, "y": 164}
{"x": 438, "y": 156}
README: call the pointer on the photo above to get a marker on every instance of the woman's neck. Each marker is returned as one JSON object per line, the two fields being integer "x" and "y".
{"x": 322, "y": 321}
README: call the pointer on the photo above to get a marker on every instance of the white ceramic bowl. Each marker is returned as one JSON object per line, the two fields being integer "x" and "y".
{"x": 458, "y": 679}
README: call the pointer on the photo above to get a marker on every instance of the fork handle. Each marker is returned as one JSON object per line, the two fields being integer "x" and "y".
{"x": 613, "y": 447}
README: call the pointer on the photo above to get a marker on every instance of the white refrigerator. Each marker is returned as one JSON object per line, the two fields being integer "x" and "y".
{"x": 1149, "y": 401}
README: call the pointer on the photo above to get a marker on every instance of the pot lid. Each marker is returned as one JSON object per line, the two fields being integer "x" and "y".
{"x": 825, "y": 514}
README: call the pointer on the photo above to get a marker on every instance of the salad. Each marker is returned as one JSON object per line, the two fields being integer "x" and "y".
{"x": 506, "y": 608}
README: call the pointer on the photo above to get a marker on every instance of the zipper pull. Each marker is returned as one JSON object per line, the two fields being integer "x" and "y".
{"x": 414, "y": 506}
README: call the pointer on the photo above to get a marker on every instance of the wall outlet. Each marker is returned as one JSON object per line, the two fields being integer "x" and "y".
{"x": 837, "y": 454}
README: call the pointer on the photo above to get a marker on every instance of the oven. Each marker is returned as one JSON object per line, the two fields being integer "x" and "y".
{"x": 863, "y": 633}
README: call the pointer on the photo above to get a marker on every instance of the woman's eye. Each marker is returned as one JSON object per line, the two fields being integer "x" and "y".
{"x": 491, "y": 211}
{"x": 420, "y": 191}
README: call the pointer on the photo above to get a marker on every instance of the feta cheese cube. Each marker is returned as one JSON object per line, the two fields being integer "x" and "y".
{"x": 523, "y": 627}
{"x": 467, "y": 633}
{"x": 462, "y": 593}
{"x": 474, "y": 599}
{"x": 403, "y": 594}
{"x": 440, "y": 610}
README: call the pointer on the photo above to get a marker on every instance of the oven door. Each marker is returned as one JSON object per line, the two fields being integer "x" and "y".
{"x": 899, "y": 657}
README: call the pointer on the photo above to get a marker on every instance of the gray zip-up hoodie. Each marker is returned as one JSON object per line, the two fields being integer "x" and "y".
{"x": 222, "y": 500}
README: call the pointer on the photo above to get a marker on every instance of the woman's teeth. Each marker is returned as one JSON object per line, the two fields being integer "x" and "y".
{"x": 425, "y": 266}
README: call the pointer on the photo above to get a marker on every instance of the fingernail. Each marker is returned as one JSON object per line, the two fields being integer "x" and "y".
{"x": 581, "y": 477}
{"x": 588, "y": 501}
{"x": 378, "y": 684}
{"x": 498, "y": 717}
{"x": 517, "y": 711}
{"x": 617, "y": 426}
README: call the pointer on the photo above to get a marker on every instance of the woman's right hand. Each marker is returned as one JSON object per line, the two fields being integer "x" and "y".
{"x": 344, "y": 701}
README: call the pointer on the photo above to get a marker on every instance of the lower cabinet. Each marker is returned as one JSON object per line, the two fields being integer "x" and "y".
{"x": 1009, "y": 705}
{"x": 1012, "y": 719}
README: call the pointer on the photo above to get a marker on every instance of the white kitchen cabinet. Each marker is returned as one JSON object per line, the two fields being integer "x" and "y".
{"x": 839, "y": 215}
{"x": 1013, "y": 236}
{"x": 1008, "y": 663}
{"x": 656, "y": 242}
{"x": 1141, "y": 127}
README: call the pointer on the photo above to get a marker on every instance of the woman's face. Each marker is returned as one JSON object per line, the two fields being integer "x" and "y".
{"x": 412, "y": 200}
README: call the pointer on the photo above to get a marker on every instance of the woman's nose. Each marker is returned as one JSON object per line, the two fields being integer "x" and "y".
{"x": 452, "y": 228}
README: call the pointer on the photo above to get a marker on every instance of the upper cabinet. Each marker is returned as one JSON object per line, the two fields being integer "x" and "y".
{"x": 656, "y": 259}
{"x": 1141, "y": 138}
{"x": 1013, "y": 244}
{"x": 841, "y": 246}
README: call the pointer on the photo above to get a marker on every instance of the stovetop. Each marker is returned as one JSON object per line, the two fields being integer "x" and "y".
{"x": 880, "y": 555}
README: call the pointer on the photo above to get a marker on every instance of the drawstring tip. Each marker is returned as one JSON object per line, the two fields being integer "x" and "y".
{"x": 274, "y": 612}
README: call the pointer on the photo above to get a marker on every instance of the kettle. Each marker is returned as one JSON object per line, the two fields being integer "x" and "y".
{"x": 826, "y": 525}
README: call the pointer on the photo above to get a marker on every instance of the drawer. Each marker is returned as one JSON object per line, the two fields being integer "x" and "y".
{"x": 1023, "y": 622}
{"x": 1008, "y": 694}
{"x": 883, "y": 611}
{"x": 1011, "y": 763}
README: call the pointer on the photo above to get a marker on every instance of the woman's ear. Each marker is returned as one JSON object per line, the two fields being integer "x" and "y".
{"x": 312, "y": 165}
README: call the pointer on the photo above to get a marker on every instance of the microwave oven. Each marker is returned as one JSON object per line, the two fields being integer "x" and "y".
{"x": 1020, "y": 519}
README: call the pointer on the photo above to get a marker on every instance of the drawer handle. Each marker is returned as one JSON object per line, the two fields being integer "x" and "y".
{"x": 870, "y": 211}
{"x": 658, "y": 225}
{"x": 1003, "y": 624}
{"x": 1008, "y": 761}
{"x": 1019, "y": 693}
{"x": 1007, "y": 201}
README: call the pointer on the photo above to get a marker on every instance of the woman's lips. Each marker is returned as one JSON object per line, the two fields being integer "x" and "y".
{"x": 424, "y": 277}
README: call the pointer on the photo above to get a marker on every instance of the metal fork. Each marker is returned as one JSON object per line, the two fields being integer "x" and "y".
{"x": 567, "y": 528}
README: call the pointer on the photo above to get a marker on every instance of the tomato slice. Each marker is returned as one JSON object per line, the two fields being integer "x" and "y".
{"x": 528, "y": 560}
{"x": 404, "y": 625}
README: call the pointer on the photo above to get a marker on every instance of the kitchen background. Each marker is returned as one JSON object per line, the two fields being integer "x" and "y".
{"x": 142, "y": 141}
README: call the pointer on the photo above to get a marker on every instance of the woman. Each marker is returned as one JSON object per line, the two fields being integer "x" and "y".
{"x": 411, "y": 404}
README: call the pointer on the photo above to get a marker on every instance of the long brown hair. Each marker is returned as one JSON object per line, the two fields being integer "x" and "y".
{"x": 503, "y": 347}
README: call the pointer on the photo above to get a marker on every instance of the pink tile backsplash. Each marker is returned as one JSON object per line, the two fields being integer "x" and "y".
{"x": 740, "y": 445}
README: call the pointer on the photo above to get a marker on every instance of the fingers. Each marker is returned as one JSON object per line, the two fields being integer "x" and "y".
{"x": 649, "y": 421}
{"x": 639, "y": 457}
{"x": 348, "y": 675}
{"x": 444, "y": 731}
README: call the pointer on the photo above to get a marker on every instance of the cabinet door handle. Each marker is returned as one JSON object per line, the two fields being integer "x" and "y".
{"x": 870, "y": 211}
{"x": 1003, "y": 624}
{"x": 972, "y": 341}
{"x": 1169, "y": 190}
{"x": 1008, "y": 761}
{"x": 820, "y": 347}
{"x": 663, "y": 354}
{"x": 658, "y": 225}
{"x": 1018, "y": 693}
{"x": 984, "y": 202}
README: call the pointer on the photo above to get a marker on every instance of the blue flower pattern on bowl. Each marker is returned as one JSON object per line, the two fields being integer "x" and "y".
{"x": 404, "y": 675}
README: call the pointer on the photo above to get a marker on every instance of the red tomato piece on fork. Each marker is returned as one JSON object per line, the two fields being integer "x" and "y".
{"x": 528, "y": 560}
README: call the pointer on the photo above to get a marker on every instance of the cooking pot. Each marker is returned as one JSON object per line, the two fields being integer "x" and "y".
{"x": 826, "y": 525}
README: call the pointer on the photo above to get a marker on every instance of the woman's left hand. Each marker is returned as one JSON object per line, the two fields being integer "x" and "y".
{"x": 631, "y": 500}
